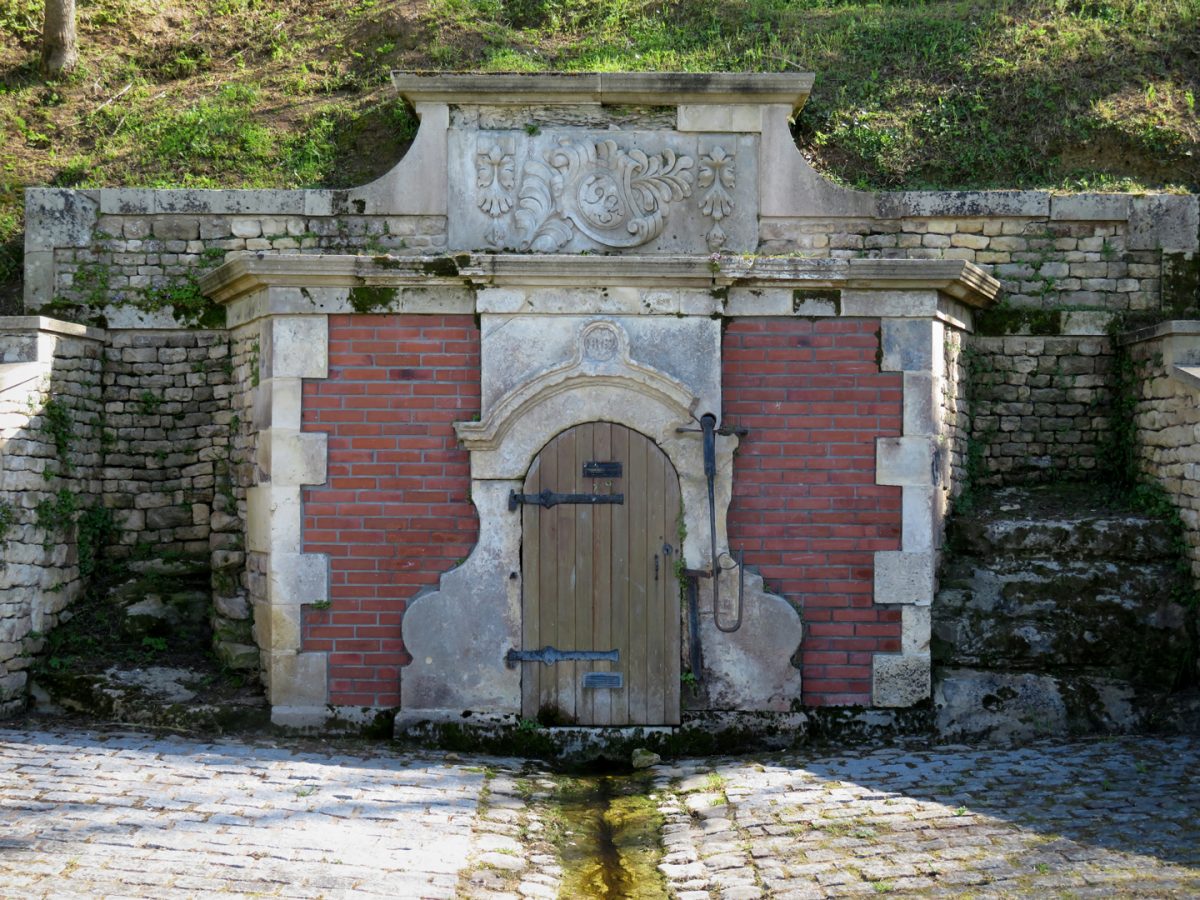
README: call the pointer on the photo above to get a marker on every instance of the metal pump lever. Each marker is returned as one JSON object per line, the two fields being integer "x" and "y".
{"x": 708, "y": 429}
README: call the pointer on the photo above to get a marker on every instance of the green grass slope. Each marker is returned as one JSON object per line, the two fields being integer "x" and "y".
{"x": 1063, "y": 94}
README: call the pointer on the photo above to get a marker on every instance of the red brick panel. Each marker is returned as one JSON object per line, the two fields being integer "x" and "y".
{"x": 806, "y": 508}
{"x": 394, "y": 513}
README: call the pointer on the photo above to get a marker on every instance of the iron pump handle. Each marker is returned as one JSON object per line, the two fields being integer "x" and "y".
{"x": 709, "y": 430}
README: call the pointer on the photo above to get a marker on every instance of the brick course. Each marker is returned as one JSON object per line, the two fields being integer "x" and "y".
{"x": 806, "y": 508}
{"x": 394, "y": 513}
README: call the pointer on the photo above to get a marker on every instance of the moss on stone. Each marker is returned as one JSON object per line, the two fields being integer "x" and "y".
{"x": 369, "y": 298}
{"x": 1004, "y": 319}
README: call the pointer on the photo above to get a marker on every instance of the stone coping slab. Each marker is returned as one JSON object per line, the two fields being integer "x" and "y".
{"x": 14, "y": 324}
{"x": 243, "y": 274}
{"x": 1173, "y": 328}
{"x": 642, "y": 88}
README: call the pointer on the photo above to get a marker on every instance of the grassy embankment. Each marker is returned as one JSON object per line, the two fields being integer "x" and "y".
{"x": 1064, "y": 94}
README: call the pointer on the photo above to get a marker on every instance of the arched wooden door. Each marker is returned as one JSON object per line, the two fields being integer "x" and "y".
{"x": 599, "y": 576}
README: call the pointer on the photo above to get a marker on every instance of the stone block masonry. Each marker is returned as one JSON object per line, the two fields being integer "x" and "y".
{"x": 166, "y": 402}
{"x": 1040, "y": 406}
{"x": 1165, "y": 363}
{"x": 51, "y": 418}
{"x": 394, "y": 513}
{"x": 806, "y": 507}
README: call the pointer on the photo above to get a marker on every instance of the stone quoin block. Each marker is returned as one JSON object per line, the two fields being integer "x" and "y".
{"x": 915, "y": 630}
{"x": 290, "y": 457}
{"x": 297, "y": 347}
{"x": 902, "y": 680}
{"x": 297, "y": 578}
{"x": 906, "y": 461}
{"x": 902, "y": 577}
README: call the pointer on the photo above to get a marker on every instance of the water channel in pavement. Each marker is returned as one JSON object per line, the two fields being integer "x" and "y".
{"x": 608, "y": 828}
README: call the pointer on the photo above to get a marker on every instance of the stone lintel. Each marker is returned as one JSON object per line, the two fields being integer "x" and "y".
{"x": 636, "y": 88}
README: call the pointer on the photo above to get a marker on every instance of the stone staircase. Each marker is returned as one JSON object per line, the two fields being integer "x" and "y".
{"x": 1058, "y": 613}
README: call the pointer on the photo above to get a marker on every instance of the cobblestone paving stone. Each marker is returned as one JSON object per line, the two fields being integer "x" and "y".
{"x": 123, "y": 814}
{"x": 1100, "y": 818}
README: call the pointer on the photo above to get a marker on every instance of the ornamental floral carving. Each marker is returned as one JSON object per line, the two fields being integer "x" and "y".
{"x": 717, "y": 175}
{"x": 495, "y": 179}
{"x": 616, "y": 197}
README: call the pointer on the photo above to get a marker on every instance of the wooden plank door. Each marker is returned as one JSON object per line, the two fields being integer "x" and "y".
{"x": 602, "y": 577}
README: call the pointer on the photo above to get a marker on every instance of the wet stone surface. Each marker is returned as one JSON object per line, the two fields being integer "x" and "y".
{"x": 93, "y": 813}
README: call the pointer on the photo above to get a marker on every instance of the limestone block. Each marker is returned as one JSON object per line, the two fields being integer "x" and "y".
{"x": 39, "y": 279}
{"x": 126, "y": 201}
{"x": 724, "y": 118}
{"x": 292, "y": 457}
{"x": 923, "y": 512}
{"x": 788, "y": 185}
{"x": 756, "y": 302}
{"x": 751, "y": 668}
{"x": 906, "y": 461}
{"x": 909, "y": 345}
{"x": 903, "y": 577}
{"x": 296, "y": 347}
{"x": 417, "y": 185}
{"x": 277, "y": 628}
{"x": 973, "y": 204}
{"x": 515, "y": 350}
{"x": 235, "y": 607}
{"x": 922, "y": 403}
{"x": 228, "y": 202}
{"x": 176, "y": 228}
{"x": 888, "y": 303}
{"x": 901, "y": 680}
{"x": 273, "y": 517}
{"x": 56, "y": 217}
{"x": 459, "y": 633}
{"x": 296, "y": 578}
{"x": 915, "y": 630}
{"x": 1164, "y": 222}
{"x": 298, "y": 679}
{"x": 1089, "y": 207}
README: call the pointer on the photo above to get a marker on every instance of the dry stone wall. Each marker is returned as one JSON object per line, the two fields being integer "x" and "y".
{"x": 51, "y": 425}
{"x": 1166, "y": 369}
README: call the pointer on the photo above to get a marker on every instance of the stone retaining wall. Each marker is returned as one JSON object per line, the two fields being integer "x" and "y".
{"x": 51, "y": 426}
{"x": 1166, "y": 410}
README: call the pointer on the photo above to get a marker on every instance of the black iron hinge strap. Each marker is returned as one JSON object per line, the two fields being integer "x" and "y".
{"x": 547, "y": 499}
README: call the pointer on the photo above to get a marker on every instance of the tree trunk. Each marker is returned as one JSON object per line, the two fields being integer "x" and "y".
{"x": 58, "y": 37}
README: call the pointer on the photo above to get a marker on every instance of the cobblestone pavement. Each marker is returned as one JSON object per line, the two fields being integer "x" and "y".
{"x": 88, "y": 813}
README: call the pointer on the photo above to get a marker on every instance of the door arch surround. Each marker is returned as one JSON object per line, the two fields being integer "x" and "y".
{"x": 460, "y": 633}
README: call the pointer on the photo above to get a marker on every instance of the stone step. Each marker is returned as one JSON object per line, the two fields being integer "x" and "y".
{"x": 1114, "y": 536}
{"x": 1010, "y": 707}
{"x": 1044, "y": 614}
{"x": 1059, "y": 522}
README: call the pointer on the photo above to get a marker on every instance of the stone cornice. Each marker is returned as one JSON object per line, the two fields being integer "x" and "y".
{"x": 244, "y": 274}
{"x": 635, "y": 88}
